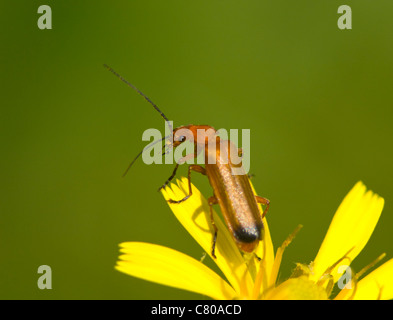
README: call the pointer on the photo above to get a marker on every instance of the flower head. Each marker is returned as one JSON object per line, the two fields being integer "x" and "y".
{"x": 248, "y": 278}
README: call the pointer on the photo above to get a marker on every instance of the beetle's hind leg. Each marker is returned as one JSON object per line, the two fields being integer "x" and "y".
{"x": 193, "y": 167}
{"x": 212, "y": 201}
{"x": 264, "y": 201}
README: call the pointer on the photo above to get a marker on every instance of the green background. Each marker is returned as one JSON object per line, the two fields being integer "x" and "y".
{"x": 318, "y": 102}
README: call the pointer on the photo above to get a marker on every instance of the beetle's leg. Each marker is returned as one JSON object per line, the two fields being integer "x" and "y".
{"x": 212, "y": 201}
{"x": 181, "y": 161}
{"x": 265, "y": 202}
{"x": 170, "y": 178}
{"x": 250, "y": 175}
{"x": 193, "y": 167}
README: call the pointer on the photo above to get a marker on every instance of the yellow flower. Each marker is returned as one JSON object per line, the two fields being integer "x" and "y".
{"x": 245, "y": 276}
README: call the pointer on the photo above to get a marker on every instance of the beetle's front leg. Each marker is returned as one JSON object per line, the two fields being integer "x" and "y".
{"x": 193, "y": 167}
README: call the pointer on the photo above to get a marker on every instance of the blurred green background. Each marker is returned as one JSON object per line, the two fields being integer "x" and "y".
{"x": 318, "y": 101}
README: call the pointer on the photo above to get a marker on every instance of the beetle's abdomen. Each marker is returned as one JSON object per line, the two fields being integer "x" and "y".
{"x": 247, "y": 235}
{"x": 238, "y": 204}
{"x": 247, "y": 239}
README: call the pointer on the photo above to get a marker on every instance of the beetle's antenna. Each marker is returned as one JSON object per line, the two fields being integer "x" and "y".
{"x": 140, "y": 92}
{"x": 139, "y": 154}
{"x": 154, "y": 106}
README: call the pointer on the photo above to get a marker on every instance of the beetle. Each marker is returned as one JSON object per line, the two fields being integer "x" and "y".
{"x": 232, "y": 192}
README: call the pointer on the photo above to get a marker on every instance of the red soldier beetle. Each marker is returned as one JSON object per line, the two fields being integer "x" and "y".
{"x": 232, "y": 192}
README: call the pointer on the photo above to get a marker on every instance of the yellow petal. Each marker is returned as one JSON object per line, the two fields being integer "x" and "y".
{"x": 194, "y": 215}
{"x": 267, "y": 246}
{"x": 377, "y": 285}
{"x": 300, "y": 288}
{"x": 349, "y": 231}
{"x": 172, "y": 268}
